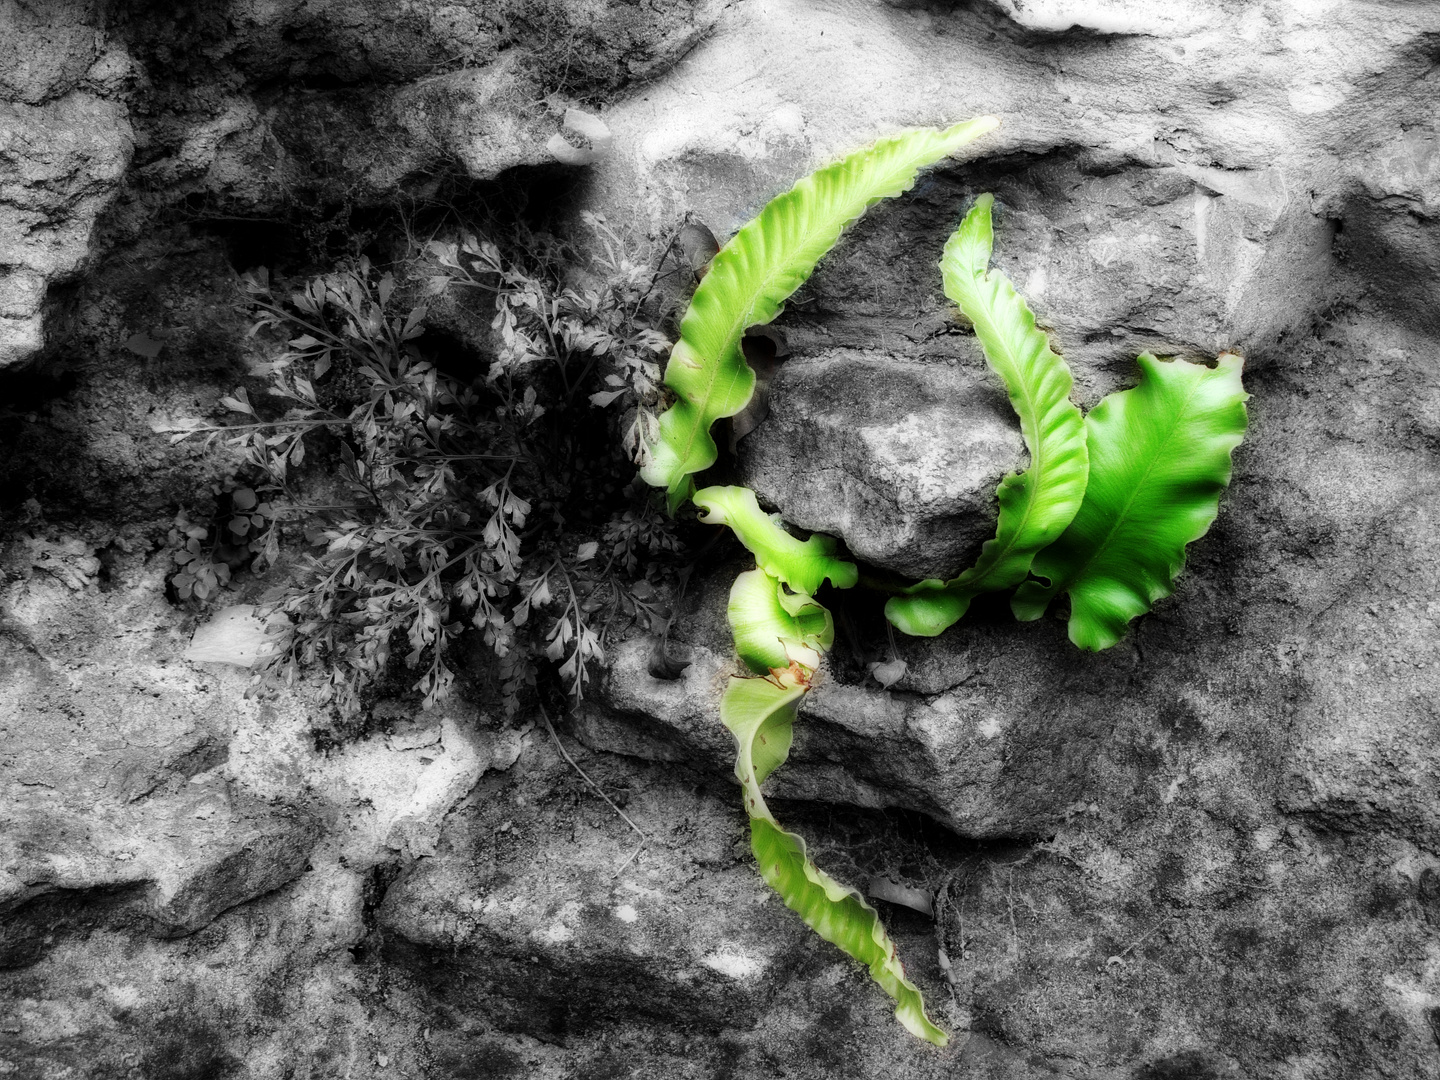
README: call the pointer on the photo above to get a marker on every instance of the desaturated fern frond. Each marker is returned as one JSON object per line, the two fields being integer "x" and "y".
{"x": 1036, "y": 505}
{"x": 753, "y": 275}
{"x": 1159, "y": 458}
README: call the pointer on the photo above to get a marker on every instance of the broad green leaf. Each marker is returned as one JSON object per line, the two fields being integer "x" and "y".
{"x": 760, "y": 713}
{"x": 775, "y": 628}
{"x": 753, "y": 275}
{"x": 1159, "y": 458}
{"x": 1038, "y": 504}
{"x": 803, "y": 565}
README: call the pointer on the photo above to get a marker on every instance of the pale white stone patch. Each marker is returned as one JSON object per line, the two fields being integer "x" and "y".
{"x": 1309, "y": 99}
{"x": 1265, "y": 837}
{"x": 233, "y": 635}
{"x": 1036, "y": 283}
{"x": 1120, "y": 17}
{"x": 123, "y": 996}
{"x": 560, "y": 931}
{"x": 787, "y": 121}
{"x": 1202, "y": 227}
{"x": 1411, "y": 998}
{"x": 734, "y": 964}
{"x": 1113, "y": 248}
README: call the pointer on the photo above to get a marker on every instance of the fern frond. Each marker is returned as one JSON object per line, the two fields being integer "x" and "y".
{"x": 1159, "y": 458}
{"x": 802, "y": 564}
{"x": 1036, "y": 505}
{"x": 775, "y": 628}
{"x": 753, "y": 275}
{"x": 760, "y": 713}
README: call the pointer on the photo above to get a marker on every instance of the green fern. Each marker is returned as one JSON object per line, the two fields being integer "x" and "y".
{"x": 760, "y": 713}
{"x": 753, "y": 275}
{"x": 775, "y": 628}
{"x": 782, "y": 634}
{"x": 803, "y": 565}
{"x": 1153, "y": 462}
{"x": 1159, "y": 458}
{"x": 1036, "y": 505}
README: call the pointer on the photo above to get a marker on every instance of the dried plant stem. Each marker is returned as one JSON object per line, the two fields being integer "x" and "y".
{"x": 598, "y": 791}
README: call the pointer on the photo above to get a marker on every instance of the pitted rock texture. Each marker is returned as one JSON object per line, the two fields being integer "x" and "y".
{"x": 965, "y": 757}
{"x": 254, "y": 111}
{"x": 901, "y": 459}
{"x": 1211, "y": 852}
{"x": 113, "y": 759}
{"x": 59, "y": 166}
{"x": 1192, "y": 219}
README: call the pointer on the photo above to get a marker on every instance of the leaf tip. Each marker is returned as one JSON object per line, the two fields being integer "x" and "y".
{"x": 967, "y": 130}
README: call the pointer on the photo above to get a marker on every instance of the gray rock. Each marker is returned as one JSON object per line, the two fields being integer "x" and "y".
{"x": 193, "y": 856}
{"x": 395, "y": 109}
{"x": 127, "y": 790}
{"x": 1210, "y": 851}
{"x": 60, "y": 164}
{"x": 961, "y": 756}
{"x": 226, "y": 850}
{"x": 542, "y": 928}
{"x": 47, "y": 54}
{"x": 900, "y": 459}
{"x": 1388, "y": 219}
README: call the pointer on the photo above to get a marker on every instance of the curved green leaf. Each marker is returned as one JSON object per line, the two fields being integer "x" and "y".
{"x": 1159, "y": 458}
{"x": 754, "y": 274}
{"x": 802, "y": 564}
{"x": 1036, "y": 505}
{"x": 775, "y": 628}
{"x": 760, "y": 713}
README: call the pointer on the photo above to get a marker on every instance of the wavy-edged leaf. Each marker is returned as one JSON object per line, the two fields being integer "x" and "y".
{"x": 802, "y": 564}
{"x": 1038, "y": 504}
{"x": 753, "y": 275}
{"x": 1159, "y": 458}
{"x": 775, "y": 628}
{"x": 760, "y": 713}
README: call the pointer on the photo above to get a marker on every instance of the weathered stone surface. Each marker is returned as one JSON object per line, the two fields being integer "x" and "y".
{"x": 59, "y": 166}
{"x": 962, "y": 756}
{"x": 122, "y": 767}
{"x": 196, "y": 854}
{"x": 901, "y": 459}
{"x": 1118, "y": 17}
{"x": 111, "y": 773}
{"x": 1198, "y": 225}
{"x": 103, "y": 999}
{"x": 522, "y": 929}
{"x": 1389, "y": 221}
{"x": 267, "y": 108}
{"x": 47, "y": 52}
{"x": 1212, "y": 851}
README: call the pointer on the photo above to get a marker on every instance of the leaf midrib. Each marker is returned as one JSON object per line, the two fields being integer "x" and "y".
{"x": 1139, "y": 485}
